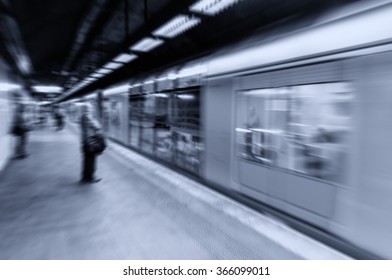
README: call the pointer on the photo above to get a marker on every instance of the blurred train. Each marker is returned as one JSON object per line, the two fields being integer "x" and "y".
{"x": 299, "y": 120}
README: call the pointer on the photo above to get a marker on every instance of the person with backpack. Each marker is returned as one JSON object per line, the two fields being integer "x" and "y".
{"x": 59, "y": 117}
{"x": 19, "y": 130}
{"x": 93, "y": 144}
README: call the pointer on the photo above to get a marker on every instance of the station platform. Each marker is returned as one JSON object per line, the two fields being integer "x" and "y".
{"x": 140, "y": 210}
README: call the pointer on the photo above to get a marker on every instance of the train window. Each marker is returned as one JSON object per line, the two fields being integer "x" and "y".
{"x": 300, "y": 128}
{"x": 135, "y": 115}
{"x": 262, "y": 120}
{"x": 319, "y": 123}
{"x": 166, "y": 125}
{"x": 147, "y": 124}
{"x": 162, "y": 129}
{"x": 184, "y": 109}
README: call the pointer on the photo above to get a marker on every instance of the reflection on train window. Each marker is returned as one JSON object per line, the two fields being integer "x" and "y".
{"x": 135, "y": 115}
{"x": 147, "y": 124}
{"x": 105, "y": 115}
{"x": 184, "y": 109}
{"x": 166, "y": 125}
{"x": 300, "y": 128}
{"x": 115, "y": 111}
{"x": 163, "y": 135}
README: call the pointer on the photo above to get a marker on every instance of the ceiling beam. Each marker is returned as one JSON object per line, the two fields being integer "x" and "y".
{"x": 90, "y": 28}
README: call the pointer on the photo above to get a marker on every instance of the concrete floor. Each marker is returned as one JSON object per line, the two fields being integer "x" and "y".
{"x": 135, "y": 212}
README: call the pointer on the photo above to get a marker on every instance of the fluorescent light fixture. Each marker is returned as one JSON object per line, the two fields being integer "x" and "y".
{"x": 125, "y": 58}
{"x": 212, "y": 7}
{"x": 148, "y": 82}
{"x": 161, "y": 95}
{"x": 104, "y": 71}
{"x": 192, "y": 71}
{"x": 176, "y": 26}
{"x": 137, "y": 85}
{"x": 118, "y": 89}
{"x": 112, "y": 65}
{"x": 9, "y": 86}
{"x": 186, "y": 96}
{"x": 146, "y": 44}
{"x": 48, "y": 89}
{"x": 172, "y": 76}
{"x": 97, "y": 75}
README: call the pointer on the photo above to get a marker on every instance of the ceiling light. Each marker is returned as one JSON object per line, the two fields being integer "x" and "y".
{"x": 8, "y": 86}
{"x": 176, "y": 26}
{"x": 97, "y": 75}
{"x": 104, "y": 71}
{"x": 160, "y": 95}
{"x": 212, "y": 7}
{"x": 186, "y": 96}
{"x": 146, "y": 44}
{"x": 48, "y": 89}
{"x": 125, "y": 58}
{"x": 172, "y": 76}
{"x": 112, "y": 65}
{"x": 196, "y": 70}
{"x": 117, "y": 89}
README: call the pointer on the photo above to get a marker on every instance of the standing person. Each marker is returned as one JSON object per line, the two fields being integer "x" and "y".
{"x": 19, "y": 130}
{"x": 59, "y": 118}
{"x": 89, "y": 128}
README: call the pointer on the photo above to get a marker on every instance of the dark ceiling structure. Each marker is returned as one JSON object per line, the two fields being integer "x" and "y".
{"x": 68, "y": 40}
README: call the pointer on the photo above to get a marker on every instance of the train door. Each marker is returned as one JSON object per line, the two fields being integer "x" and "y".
{"x": 300, "y": 148}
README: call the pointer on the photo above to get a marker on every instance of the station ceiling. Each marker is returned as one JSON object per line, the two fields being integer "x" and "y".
{"x": 68, "y": 40}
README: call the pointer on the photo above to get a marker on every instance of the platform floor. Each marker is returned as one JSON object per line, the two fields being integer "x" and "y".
{"x": 139, "y": 210}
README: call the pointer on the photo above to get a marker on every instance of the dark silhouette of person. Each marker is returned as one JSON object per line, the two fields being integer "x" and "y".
{"x": 89, "y": 127}
{"x": 20, "y": 130}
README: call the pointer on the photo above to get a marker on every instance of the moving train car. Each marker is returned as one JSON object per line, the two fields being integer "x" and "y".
{"x": 299, "y": 120}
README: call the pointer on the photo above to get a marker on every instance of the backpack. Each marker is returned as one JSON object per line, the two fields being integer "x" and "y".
{"x": 96, "y": 144}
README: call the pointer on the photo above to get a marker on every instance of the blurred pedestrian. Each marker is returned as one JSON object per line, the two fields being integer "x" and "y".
{"x": 19, "y": 130}
{"x": 59, "y": 117}
{"x": 90, "y": 130}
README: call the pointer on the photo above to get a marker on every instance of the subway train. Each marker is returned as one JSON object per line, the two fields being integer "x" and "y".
{"x": 300, "y": 120}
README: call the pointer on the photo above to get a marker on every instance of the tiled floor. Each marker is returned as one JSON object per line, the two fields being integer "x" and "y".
{"x": 133, "y": 213}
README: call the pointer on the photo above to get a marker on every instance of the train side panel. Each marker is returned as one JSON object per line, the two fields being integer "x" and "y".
{"x": 217, "y": 114}
{"x": 365, "y": 209}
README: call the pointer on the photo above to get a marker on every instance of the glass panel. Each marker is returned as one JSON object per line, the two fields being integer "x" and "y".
{"x": 135, "y": 115}
{"x": 320, "y": 121}
{"x": 163, "y": 135}
{"x": 147, "y": 124}
{"x": 301, "y": 128}
{"x": 105, "y": 116}
{"x": 263, "y": 119}
{"x": 115, "y": 109}
{"x": 184, "y": 117}
{"x": 184, "y": 109}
